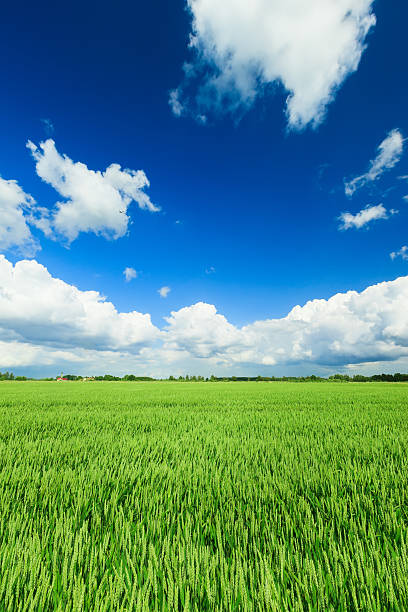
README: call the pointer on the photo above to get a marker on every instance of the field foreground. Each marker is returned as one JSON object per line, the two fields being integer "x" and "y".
{"x": 212, "y": 496}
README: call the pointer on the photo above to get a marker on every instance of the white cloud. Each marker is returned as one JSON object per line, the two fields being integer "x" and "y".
{"x": 22, "y": 354}
{"x": 388, "y": 155}
{"x": 46, "y": 322}
{"x": 130, "y": 274}
{"x": 39, "y": 309}
{"x": 16, "y": 207}
{"x": 210, "y": 270}
{"x": 403, "y": 253}
{"x": 164, "y": 291}
{"x": 241, "y": 48}
{"x": 200, "y": 331}
{"x": 365, "y": 216}
{"x": 348, "y": 328}
{"x": 94, "y": 201}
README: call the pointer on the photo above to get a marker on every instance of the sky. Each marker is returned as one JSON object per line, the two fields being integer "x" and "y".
{"x": 205, "y": 188}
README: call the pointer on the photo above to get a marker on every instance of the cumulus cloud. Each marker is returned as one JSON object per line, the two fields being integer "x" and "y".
{"x": 348, "y": 328}
{"x": 164, "y": 291}
{"x": 45, "y": 321}
{"x": 94, "y": 201}
{"x": 403, "y": 253}
{"x": 389, "y": 153}
{"x": 365, "y": 216}
{"x": 40, "y": 309}
{"x": 129, "y": 274}
{"x": 16, "y": 208}
{"x": 201, "y": 331}
{"x": 239, "y": 49}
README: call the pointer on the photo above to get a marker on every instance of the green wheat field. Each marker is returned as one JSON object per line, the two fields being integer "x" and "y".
{"x": 203, "y": 496}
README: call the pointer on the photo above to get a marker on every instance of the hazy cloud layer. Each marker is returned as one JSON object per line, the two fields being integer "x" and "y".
{"x": 389, "y": 153}
{"x": 93, "y": 201}
{"x": 47, "y": 321}
{"x": 241, "y": 48}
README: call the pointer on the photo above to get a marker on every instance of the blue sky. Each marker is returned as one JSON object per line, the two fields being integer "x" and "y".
{"x": 250, "y": 203}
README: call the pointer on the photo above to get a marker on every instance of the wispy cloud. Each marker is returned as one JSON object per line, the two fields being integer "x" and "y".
{"x": 129, "y": 274}
{"x": 174, "y": 103}
{"x": 403, "y": 253}
{"x": 364, "y": 217}
{"x": 164, "y": 291}
{"x": 48, "y": 126}
{"x": 388, "y": 155}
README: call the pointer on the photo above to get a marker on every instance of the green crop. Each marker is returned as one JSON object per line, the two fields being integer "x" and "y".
{"x": 173, "y": 496}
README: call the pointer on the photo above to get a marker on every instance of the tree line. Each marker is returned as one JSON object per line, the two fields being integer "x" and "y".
{"x": 187, "y": 378}
{"x": 335, "y": 378}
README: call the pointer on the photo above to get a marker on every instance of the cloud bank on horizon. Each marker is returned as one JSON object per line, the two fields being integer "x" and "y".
{"x": 241, "y": 49}
{"x": 45, "y": 321}
{"x": 39, "y": 309}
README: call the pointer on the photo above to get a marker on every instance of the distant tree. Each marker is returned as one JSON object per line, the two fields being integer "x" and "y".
{"x": 342, "y": 377}
{"x": 7, "y": 376}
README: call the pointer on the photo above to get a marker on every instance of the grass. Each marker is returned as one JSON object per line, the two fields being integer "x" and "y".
{"x": 178, "y": 496}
